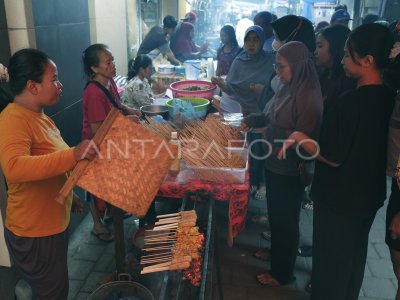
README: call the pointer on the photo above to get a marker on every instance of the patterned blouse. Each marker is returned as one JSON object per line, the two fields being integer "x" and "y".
{"x": 225, "y": 60}
{"x": 137, "y": 93}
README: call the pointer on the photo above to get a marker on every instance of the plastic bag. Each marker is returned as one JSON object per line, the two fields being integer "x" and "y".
{"x": 182, "y": 111}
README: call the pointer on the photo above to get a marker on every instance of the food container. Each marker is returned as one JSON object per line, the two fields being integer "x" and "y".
{"x": 192, "y": 69}
{"x": 154, "y": 110}
{"x": 166, "y": 69}
{"x": 193, "y": 88}
{"x": 231, "y": 175}
{"x": 180, "y": 70}
{"x": 200, "y": 106}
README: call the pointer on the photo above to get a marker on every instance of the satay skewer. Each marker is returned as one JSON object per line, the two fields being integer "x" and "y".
{"x": 189, "y": 212}
{"x": 157, "y": 248}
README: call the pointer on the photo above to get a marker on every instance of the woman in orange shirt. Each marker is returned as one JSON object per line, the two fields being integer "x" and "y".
{"x": 36, "y": 161}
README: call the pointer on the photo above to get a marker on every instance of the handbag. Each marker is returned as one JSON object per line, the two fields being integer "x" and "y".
{"x": 306, "y": 171}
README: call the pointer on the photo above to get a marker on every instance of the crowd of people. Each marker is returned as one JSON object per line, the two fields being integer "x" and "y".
{"x": 328, "y": 96}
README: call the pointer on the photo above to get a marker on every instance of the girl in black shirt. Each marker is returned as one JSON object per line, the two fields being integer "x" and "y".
{"x": 350, "y": 182}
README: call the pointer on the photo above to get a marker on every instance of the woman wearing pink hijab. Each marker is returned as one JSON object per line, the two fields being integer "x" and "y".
{"x": 185, "y": 48}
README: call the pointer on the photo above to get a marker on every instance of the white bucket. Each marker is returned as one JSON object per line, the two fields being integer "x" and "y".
{"x": 192, "y": 69}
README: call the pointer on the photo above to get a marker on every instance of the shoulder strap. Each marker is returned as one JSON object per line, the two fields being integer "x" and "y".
{"x": 105, "y": 91}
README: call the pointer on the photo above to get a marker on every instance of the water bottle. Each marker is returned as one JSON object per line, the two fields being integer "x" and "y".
{"x": 210, "y": 68}
{"x": 176, "y": 164}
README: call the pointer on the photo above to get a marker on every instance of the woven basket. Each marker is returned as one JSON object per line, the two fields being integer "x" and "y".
{"x": 178, "y": 87}
{"x": 130, "y": 167}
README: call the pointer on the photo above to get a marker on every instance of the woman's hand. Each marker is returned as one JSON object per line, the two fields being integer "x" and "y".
{"x": 133, "y": 112}
{"x": 217, "y": 80}
{"x": 244, "y": 127}
{"x": 87, "y": 149}
{"x": 4, "y": 73}
{"x": 286, "y": 146}
{"x": 158, "y": 87}
{"x": 216, "y": 103}
{"x": 134, "y": 118}
{"x": 77, "y": 205}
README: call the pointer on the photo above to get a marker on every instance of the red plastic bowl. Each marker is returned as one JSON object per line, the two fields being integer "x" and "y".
{"x": 178, "y": 87}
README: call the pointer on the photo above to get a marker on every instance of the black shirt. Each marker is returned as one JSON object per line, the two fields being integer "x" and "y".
{"x": 154, "y": 39}
{"x": 354, "y": 134}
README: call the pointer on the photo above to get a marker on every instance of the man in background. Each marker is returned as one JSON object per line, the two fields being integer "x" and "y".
{"x": 341, "y": 17}
{"x": 264, "y": 20}
{"x": 156, "y": 41}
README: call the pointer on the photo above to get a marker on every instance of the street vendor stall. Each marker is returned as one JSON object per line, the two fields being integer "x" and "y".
{"x": 131, "y": 176}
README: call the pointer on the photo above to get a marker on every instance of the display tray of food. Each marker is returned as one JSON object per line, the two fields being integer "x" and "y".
{"x": 195, "y": 281}
{"x": 210, "y": 150}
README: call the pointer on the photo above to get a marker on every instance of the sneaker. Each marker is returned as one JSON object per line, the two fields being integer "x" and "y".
{"x": 266, "y": 235}
{"x": 253, "y": 189}
{"x": 308, "y": 205}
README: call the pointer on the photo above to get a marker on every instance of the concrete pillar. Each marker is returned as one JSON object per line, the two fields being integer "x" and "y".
{"x": 108, "y": 26}
{"x": 21, "y": 29}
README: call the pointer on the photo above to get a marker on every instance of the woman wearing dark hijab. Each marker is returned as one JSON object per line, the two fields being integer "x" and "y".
{"x": 249, "y": 67}
{"x": 297, "y": 103}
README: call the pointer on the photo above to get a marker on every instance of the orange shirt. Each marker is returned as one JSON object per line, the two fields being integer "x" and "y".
{"x": 35, "y": 160}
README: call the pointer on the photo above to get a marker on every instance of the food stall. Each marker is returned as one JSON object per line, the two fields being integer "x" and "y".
{"x": 216, "y": 170}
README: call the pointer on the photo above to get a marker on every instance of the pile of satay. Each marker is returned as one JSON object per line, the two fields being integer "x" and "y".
{"x": 172, "y": 244}
{"x": 204, "y": 142}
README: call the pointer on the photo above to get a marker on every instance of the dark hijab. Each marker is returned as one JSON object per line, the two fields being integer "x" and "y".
{"x": 247, "y": 69}
{"x": 295, "y": 28}
{"x": 297, "y": 105}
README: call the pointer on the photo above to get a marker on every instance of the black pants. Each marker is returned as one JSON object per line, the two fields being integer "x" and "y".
{"x": 340, "y": 245}
{"x": 257, "y": 153}
{"x": 392, "y": 209}
{"x": 42, "y": 262}
{"x": 284, "y": 195}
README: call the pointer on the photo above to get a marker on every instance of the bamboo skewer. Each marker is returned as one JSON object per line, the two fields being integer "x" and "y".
{"x": 157, "y": 248}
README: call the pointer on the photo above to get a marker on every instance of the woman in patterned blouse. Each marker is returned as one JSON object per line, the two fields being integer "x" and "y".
{"x": 138, "y": 91}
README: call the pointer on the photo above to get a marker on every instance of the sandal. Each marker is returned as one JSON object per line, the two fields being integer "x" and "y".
{"x": 263, "y": 254}
{"x": 304, "y": 251}
{"x": 307, "y": 288}
{"x": 260, "y": 193}
{"x": 266, "y": 235}
{"x": 253, "y": 189}
{"x": 266, "y": 279}
{"x": 103, "y": 236}
{"x": 309, "y": 205}
{"x": 260, "y": 219}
